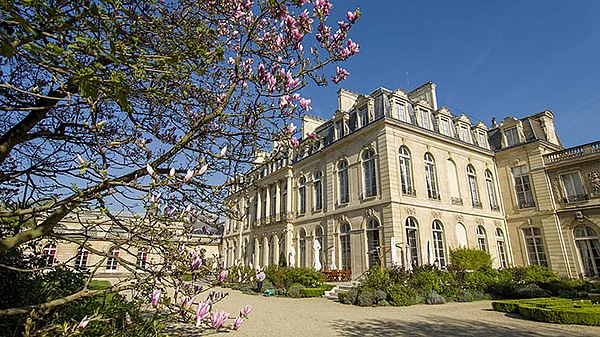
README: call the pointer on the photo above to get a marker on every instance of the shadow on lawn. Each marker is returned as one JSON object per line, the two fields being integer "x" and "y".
{"x": 437, "y": 326}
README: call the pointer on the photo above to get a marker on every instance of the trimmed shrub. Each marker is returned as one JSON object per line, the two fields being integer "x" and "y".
{"x": 327, "y": 286}
{"x": 470, "y": 259}
{"x": 312, "y": 292}
{"x": 366, "y": 299}
{"x": 379, "y": 295}
{"x": 401, "y": 296}
{"x": 531, "y": 291}
{"x": 434, "y": 298}
{"x": 342, "y": 296}
{"x": 383, "y": 303}
{"x": 533, "y": 274}
{"x": 295, "y": 291}
{"x": 553, "y": 310}
{"x": 464, "y": 296}
{"x": 351, "y": 296}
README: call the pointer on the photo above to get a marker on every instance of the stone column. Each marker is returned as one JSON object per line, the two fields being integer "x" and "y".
{"x": 278, "y": 196}
{"x": 256, "y": 252}
{"x": 276, "y": 248}
{"x": 310, "y": 254}
{"x": 265, "y": 251}
{"x": 258, "y": 204}
{"x": 288, "y": 202}
{"x": 267, "y": 201}
{"x": 358, "y": 252}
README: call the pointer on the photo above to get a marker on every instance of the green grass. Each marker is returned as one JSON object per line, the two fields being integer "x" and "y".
{"x": 99, "y": 285}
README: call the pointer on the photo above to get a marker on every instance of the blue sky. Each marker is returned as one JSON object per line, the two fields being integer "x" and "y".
{"x": 488, "y": 58}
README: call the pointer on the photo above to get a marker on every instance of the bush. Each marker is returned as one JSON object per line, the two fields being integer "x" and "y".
{"x": 351, "y": 296}
{"x": 312, "y": 292}
{"x": 366, "y": 299}
{"x": 434, "y": 298}
{"x": 379, "y": 295}
{"x": 383, "y": 303}
{"x": 282, "y": 260}
{"x": 377, "y": 278}
{"x": 531, "y": 291}
{"x": 470, "y": 259}
{"x": 553, "y": 310}
{"x": 533, "y": 274}
{"x": 465, "y": 296}
{"x": 295, "y": 291}
{"x": 429, "y": 278}
{"x": 342, "y": 296}
{"x": 401, "y": 296}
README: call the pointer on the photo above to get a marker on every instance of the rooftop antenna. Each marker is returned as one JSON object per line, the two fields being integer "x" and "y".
{"x": 407, "y": 81}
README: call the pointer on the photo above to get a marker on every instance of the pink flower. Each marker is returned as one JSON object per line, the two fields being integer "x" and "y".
{"x": 323, "y": 6}
{"x": 296, "y": 97}
{"x": 203, "y": 169}
{"x": 149, "y": 169}
{"x": 246, "y": 310}
{"x": 155, "y": 297}
{"x": 223, "y": 275}
{"x": 186, "y": 303}
{"x": 172, "y": 172}
{"x": 353, "y": 47}
{"x": 284, "y": 101}
{"x": 291, "y": 128}
{"x": 294, "y": 142}
{"x": 341, "y": 74}
{"x": 291, "y": 82}
{"x": 80, "y": 160}
{"x": 217, "y": 319}
{"x": 84, "y": 322}
{"x": 305, "y": 103}
{"x": 189, "y": 175}
{"x": 237, "y": 323}
{"x": 261, "y": 276}
{"x": 352, "y": 16}
{"x": 312, "y": 135}
{"x": 195, "y": 260}
{"x": 202, "y": 312}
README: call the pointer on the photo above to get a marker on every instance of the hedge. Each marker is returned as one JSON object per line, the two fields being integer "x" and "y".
{"x": 312, "y": 292}
{"x": 553, "y": 310}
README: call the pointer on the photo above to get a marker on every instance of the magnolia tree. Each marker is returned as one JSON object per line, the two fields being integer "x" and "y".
{"x": 149, "y": 108}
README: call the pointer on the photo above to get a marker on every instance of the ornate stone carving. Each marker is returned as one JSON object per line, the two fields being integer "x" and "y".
{"x": 479, "y": 221}
{"x": 344, "y": 218}
{"x": 369, "y": 212}
{"x": 556, "y": 187}
{"x": 594, "y": 180}
{"x": 460, "y": 218}
{"x": 436, "y": 214}
{"x": 497, "y": 223}
{"x": 410, "y": 211}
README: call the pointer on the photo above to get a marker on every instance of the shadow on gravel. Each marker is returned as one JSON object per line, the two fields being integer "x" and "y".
{"x": 437, "y": 327}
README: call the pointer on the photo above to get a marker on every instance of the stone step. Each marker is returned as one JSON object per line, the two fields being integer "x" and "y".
{"x": 333, "y": 293}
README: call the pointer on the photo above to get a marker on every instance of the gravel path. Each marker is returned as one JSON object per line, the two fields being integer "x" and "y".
{"x": 321, "y": 317}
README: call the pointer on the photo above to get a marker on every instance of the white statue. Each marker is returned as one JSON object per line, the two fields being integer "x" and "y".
{"x": 292, "y": 257}
{"x": 317, "y": 252}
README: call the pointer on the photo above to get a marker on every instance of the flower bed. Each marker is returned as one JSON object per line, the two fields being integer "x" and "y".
{"x": 553, "y": 310}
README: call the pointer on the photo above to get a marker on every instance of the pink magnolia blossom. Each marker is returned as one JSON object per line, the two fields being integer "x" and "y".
{"x": 352, "y": 16}
{"x": 246, "y": 310}
{"x": 261, "y": 276}
{"x": 341, "y": 74}
{"x": 186, "y": 303}
{"x": 305, "y": 103}
{"x": 149, "y": 169}
{"x": 195, "y": 261}
{"x": 223, "y": 151}
{"x": 353, "y": 47}
{"x": 202, "y": 312}
{"x": 294, "y": 142}
{"x": 172, "y": 172}
{"x": 217, "y": 319}
{"x": 223, "y": 275}
{"x": 237, "y": 323}
{"x": 80, "y": 160}
{"x": 155, "y": 297}
{"x": 322, "y": 7}
{"x": 312, "y": 135}
{"x": 203, "y": 169}
{"x": 284, "y": 101}
{"x": 83, "y": 323}
{"x": 189, "y": 175}
{"x": 291, "y": 128}
{"x": 291, "y": 82}
{"x": 296, "y": 97}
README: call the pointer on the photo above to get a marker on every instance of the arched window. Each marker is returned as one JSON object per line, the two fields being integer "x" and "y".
{"x": 588, "y": 244}
{"x": 369, "y": 174}
{"x": 344, "y": 196}
{"x": 481, "y": 239}
{"x": 412, "y": 242}
{"x": 373, "y": 241}
{"x": 406, "y": 179}
{"x": 461, "y": 235}
{"x": 302, "y": 246}
{"x": 49, "y": 252}
{"x": 491, "y": 190}
{"x": 271, "y": 251}
{"x": 81, "y": 259}
{"x": 345, "y": 246}
{"x": 112, "y": 259}
{"x": 142, "y": 258}
{"x": 282, "y": 257}
{"x": 472, "y": 178}
{"x": 430, "y": 177}
{"x": 439, "y": 248}
{"x": 453, "y": 181}
{"x": 501, "y": 247}
{"x": 302, "y": 195}
{"x": 320, "y": 236}
{"x": 318, "y": 184}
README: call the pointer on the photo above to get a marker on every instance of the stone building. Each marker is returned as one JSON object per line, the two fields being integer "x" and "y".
{"x": 390, "y": 179}
{"x": 551, "y": 195}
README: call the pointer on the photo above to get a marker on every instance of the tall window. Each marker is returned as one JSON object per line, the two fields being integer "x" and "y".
{"x": 573, "y": 187}
{"x": 302, "y": 247}
{"x": 369, "y": 173}
{"x": 320, "y": 236}
{"x": 344, "y": 196}
{"x": 339, "y": 129}
{"x": 81, "y": 259}
{"x": 491, "y": 190}
{"x": 282, "y": 246}
{"x": 481, "y": 239}
{"x": 402, "y": 114}
{"x": 142, "y": 258}
{"x": 318, "y": 184}
{"x": 273, "y": 201}
{"x": 523, "y": 186}
{"x": 406, "y": 179}
{"x": 501, "y": 247}
{"x": 255, "y": 208}
{"x": 373, "y": 242}
{"x": 271, "y": 251}
{"x": 512, "y": 136}
{"x": 472, "y": 178}
{"x": 482, "y": 139}
{"x": 363, "y": 115}
{"x": 465, "y": 133}
{"x": 430, "y": 177}
{"x": 424, "y": 119}
{"x": 302, "y": 195}
{"x": 445, "y": 126}
{"x": 264, "y": 204}
{"x": 284, "y": 193}
{"x": 412, "y": 242}
{"x": 345, "y": 246}
{"x": 588, "y": 244}
{"x": 49, "y": 252}
{"x": 438, "y": 244}
{"x": 535, "y": 247}
{"x": 112, "y": 259}
{"x": 453, "y": 181}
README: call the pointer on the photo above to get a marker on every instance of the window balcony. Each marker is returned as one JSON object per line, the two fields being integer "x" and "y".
{"x": 575, "y": 198}
{"x": 411, "y": 192}
{"x": 526, "y": 204}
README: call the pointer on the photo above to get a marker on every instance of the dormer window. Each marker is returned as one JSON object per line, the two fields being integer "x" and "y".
{"x": 465, "y": 133}
{"x": 339, "y": 129}
{"x": 445, "y": 126}
{"x": 482, "y": 139}
{"x": 425, "y": 119}
{"x": 363, "y": 116}
{"x": 512, "y": 136}
{"x": 402, "y": 113}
